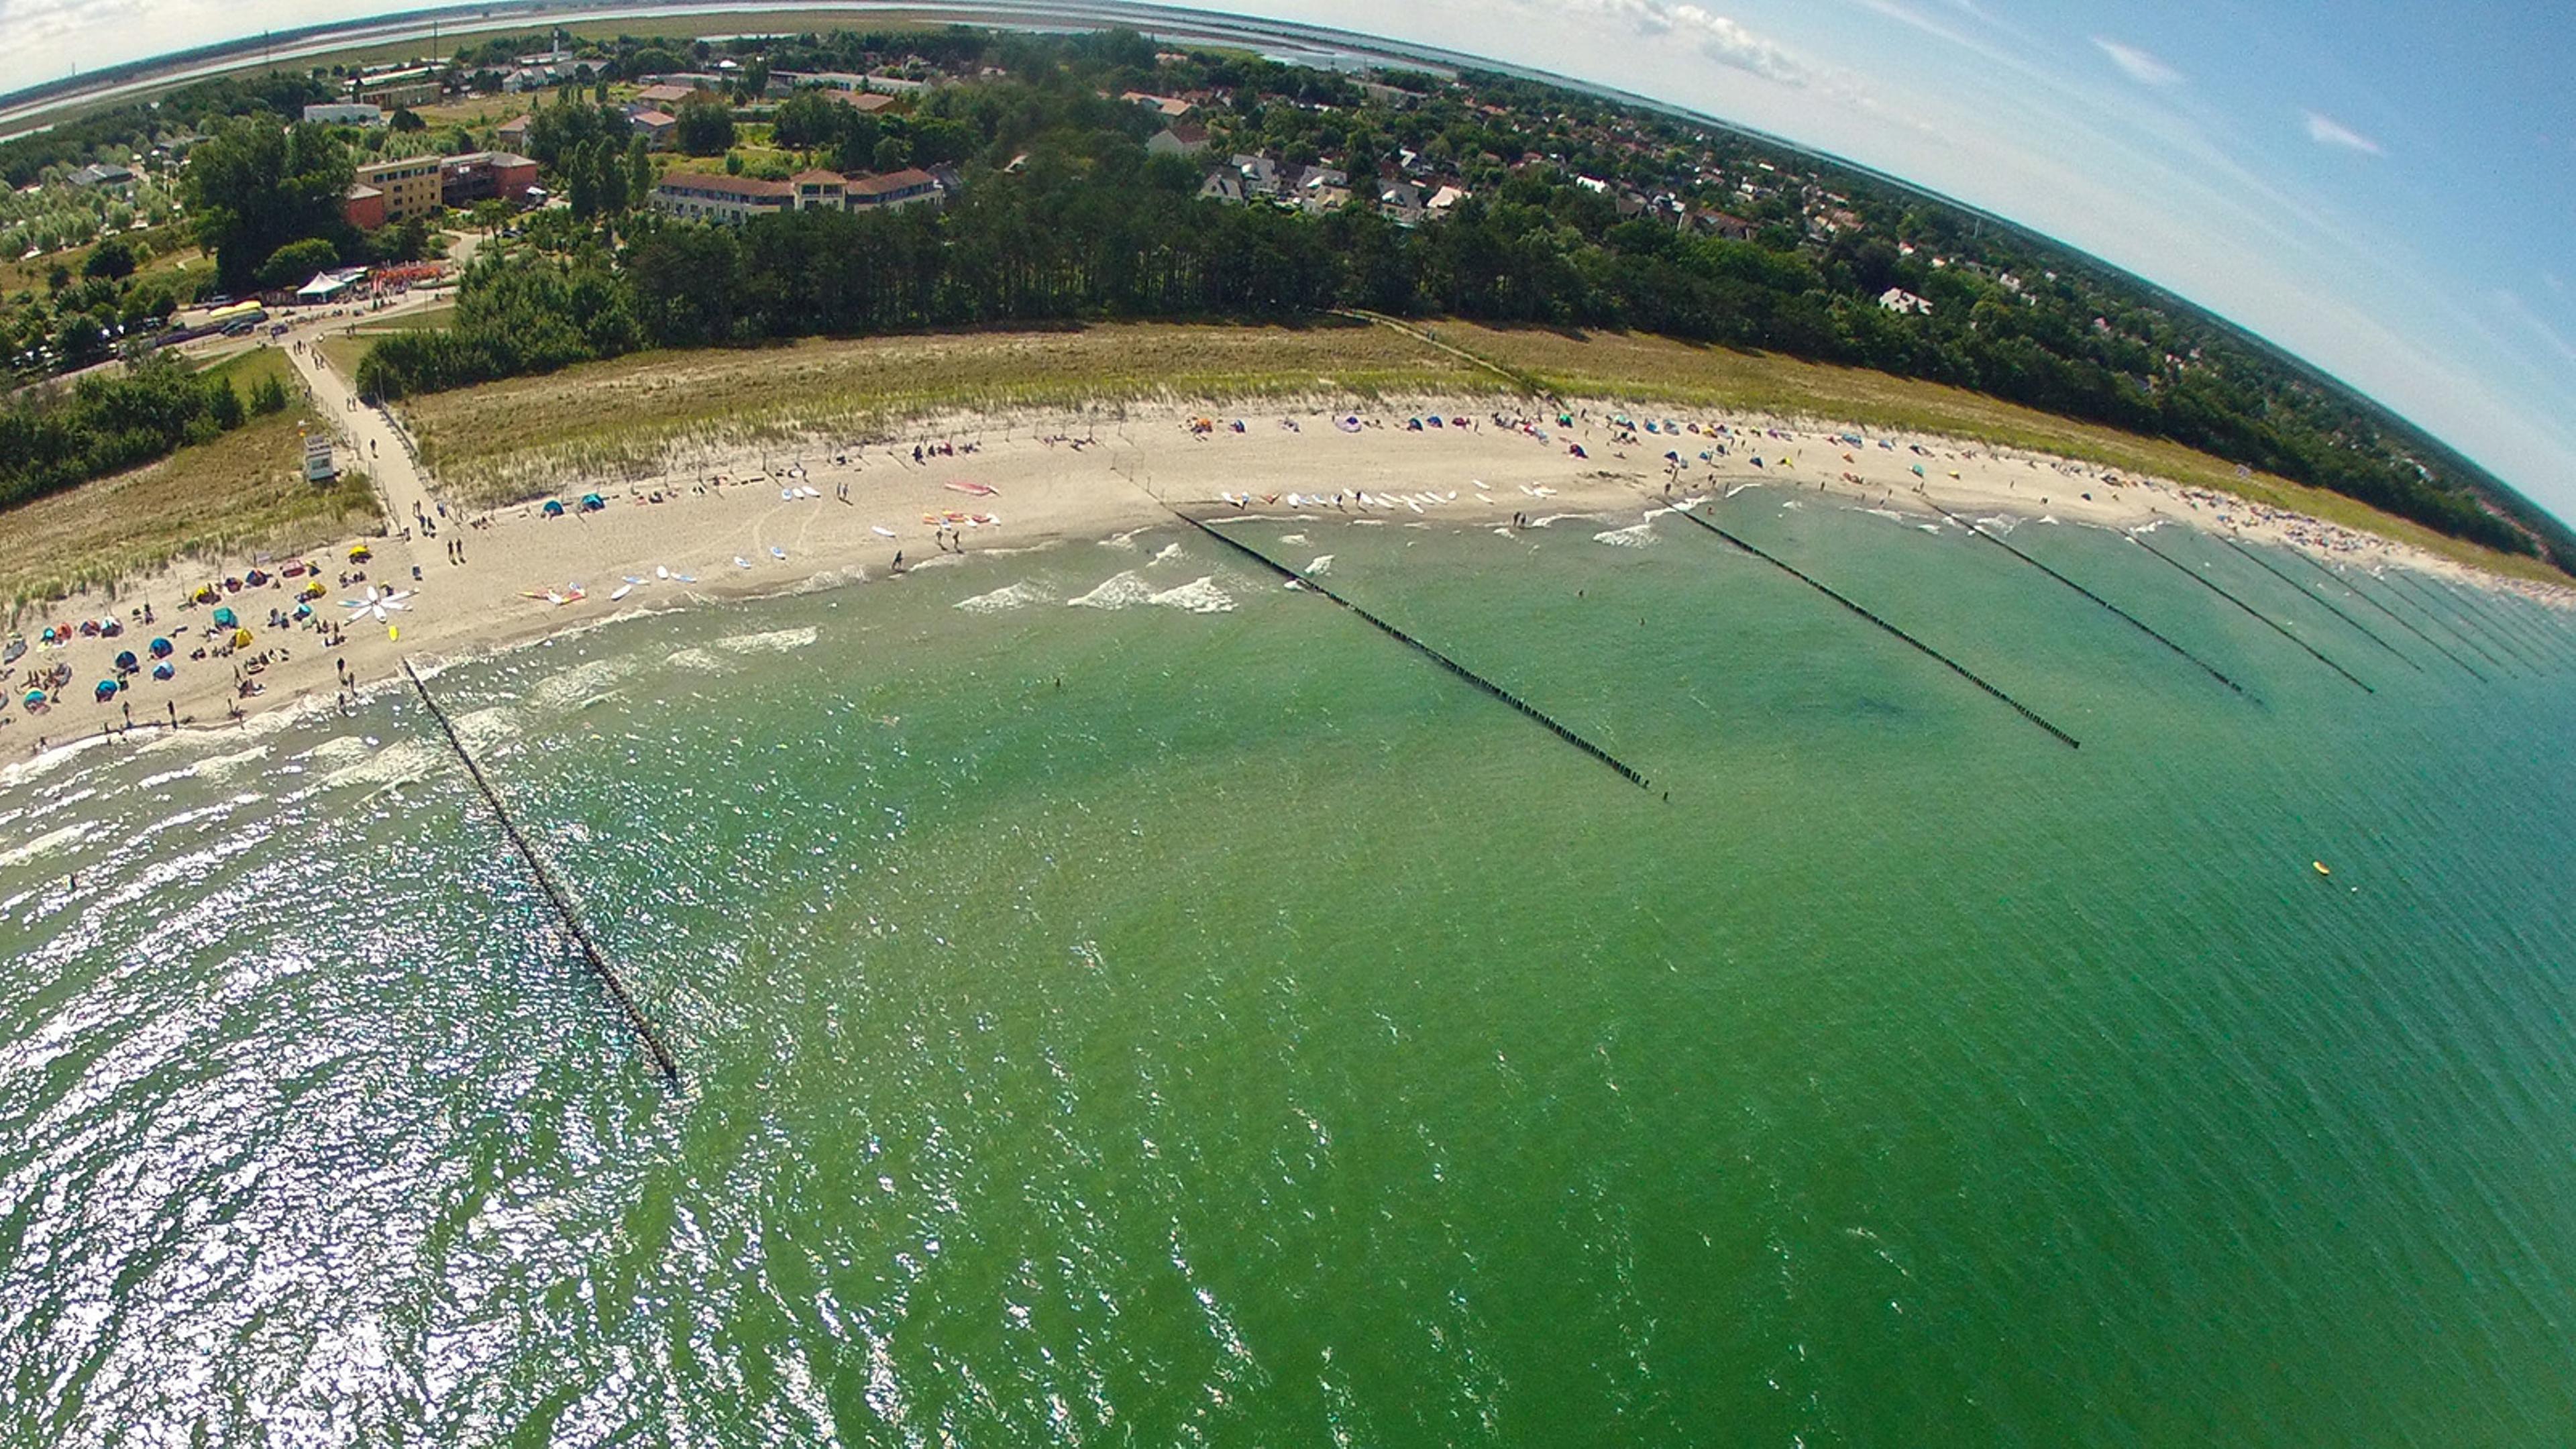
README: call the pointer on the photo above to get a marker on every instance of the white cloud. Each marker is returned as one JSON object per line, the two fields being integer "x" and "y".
{"x": 2141, "y": 67}
{"x": 2325, "y": 131}
{"x": 1720, "y": 39}
{"x": 2513, "y": 307}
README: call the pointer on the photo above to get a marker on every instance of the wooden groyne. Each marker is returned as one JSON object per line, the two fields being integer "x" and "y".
{"x": 651, "y": 1039}
{"x": 2423, "y": 603}
{"x": 1954, "y": 666}
{"x": 2322, "y": 602}
{"x": 2251, "y": 612}
{"x": 1428, "y": 652}
{"x": 2132, "y": 620}
{"x": 2486, "y": 624}
{"x": 2399, "y": 619}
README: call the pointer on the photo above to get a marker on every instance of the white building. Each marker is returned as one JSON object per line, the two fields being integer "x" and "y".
{"x": 343, "y": 113}
{"x": 1897, "y": 299}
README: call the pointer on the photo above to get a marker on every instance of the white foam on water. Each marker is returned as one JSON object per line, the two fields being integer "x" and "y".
{"x": 1929, "y": 527}
{"x": 392, "y": 767}
{"x": 1125, "y": 540}
{"x": 1014, "y": 596}
{"x": 776, "y": 641}
{"x": 485, "y": 728}
{"x": 1636, "y": 535}
{"x": 1292, "y": 538}
{"x": 1198, "y": 596}
{"x": 1169, "y": 550}
{"x": 1323, "y": 564}
{"x": 51, "y": 760}
{"x": 1118, "y": 591}
{"x": 333, "y": 753}
{"x": 582, "y": 685}
{"x": 48, "y": 843}
{"x": 1884, "y": 513}
{"x": 699, "y": 659}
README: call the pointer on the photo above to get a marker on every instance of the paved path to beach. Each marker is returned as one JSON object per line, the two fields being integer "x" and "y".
{"x": 378, "y": 446}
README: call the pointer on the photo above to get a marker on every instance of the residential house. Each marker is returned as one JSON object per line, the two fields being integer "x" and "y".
{"x": 513, "y": 134}
{"x": 343, "y": 113}
{"x": 102, "y": 174}
{"x": 656, "y": 127}
{"x": 397, "y": 89}
{"x": 668, "y": 96}
{"x": 729, "y": 200}
{"x": 1170, "y": 108}
{"x": 893, "y": 189}
{"x": 1897, "y": 299}
{"x": 1223, "y": 184}
{"x": 1185, "y": 138}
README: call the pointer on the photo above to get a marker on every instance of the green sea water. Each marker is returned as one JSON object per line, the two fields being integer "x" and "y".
{"x": 1201, "y": 1020}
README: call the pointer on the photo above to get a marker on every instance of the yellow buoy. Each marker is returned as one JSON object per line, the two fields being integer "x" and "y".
{"x": 2321, "y": 867}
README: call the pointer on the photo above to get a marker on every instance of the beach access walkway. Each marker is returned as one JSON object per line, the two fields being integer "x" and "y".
{"x": 375, "y": 443}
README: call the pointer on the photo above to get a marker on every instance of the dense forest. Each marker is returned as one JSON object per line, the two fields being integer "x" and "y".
{"x": 53, "y": 437}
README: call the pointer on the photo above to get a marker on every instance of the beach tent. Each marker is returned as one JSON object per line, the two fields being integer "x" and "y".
{"x": 161, "y": 648}
{"x": 553, "y": 508}
{"x": 164, "y": 670}
{"x": 1349, "y": 422}
{"x": 360, "y": 553}
{"x": 226, "y": 619}
{"x": 240, "y": 637}
{"x": 35, "y": 699}
{"x": 125, "y": 660}
{"x": 593, "y": 502}
{"x": 1918, "y": 470}
{"x": 106, "y": 690}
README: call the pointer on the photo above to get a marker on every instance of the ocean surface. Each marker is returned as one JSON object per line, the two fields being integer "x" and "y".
{"x": 1122, "y": 1000}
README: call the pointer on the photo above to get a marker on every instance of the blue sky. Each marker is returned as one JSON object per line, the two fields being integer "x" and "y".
{"x": 2386, "y": 188}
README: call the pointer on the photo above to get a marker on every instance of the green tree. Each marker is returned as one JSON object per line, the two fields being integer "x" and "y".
{"x": 112, "y": 258}
{"x": 892, "y": 154}
{"x": 639, "y": 172}
{"x": 255, "y": 188}
{"x": 294, "y": 263}
{"x": 403, "y": 120}
{"x": 581, "y": 180}
{"x": 705, "y": 129}
{"x": 268, "y": 395}
{"x": 612, "y": 178}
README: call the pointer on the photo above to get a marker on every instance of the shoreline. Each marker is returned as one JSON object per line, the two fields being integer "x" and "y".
{"x": 733, "y": 532}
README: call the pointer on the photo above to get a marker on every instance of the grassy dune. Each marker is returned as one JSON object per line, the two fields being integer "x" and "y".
{"x": 513, "y": 439}
{"x": 244, "y": 491}
{"x": 1659, "y": 370}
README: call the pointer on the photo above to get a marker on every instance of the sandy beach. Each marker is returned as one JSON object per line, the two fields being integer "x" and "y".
{"x": 773, "y": 519}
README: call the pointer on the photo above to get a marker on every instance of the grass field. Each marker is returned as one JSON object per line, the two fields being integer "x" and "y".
{"x": 343, "y": 350}
{"x": 242, "y": 492}
{"x": 513, "y": 439}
